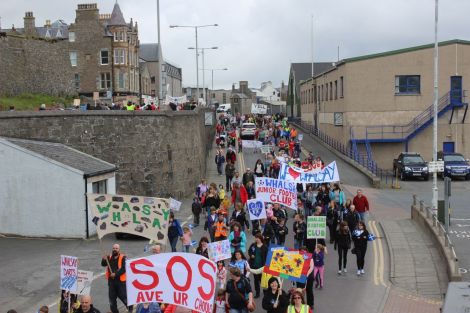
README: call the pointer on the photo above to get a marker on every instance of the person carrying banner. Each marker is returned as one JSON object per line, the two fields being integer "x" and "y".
{"x": 275, "y": 299}
{"x": 116, "y": 275}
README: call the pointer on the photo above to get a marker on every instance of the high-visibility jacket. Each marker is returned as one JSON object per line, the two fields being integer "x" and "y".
{"x": 220, "y": 229}
{"x": 304, "y": 309}
{"x": 123, "y": 276}
{"x": 130, "y": 107}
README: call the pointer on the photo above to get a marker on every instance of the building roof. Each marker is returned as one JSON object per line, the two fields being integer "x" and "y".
{"x": 303, "y": 71}
{"x": 149, "y": 52}
{"x": 240, "y": 95}
{"x": 117, "y": 19}
{"x": 86, "y": 163}
{"x": 57, "y": 30}
{"x": 410, "y": 49}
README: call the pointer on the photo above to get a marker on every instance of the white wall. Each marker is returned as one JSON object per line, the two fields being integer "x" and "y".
{"x": 111, "y": 190}
{"x": 39, "y": 198}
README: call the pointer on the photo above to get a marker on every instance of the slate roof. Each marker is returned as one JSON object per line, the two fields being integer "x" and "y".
{"x": 86, "y": 163}
{"x": 149, "y": 52}
{"x": 53, "y": 30}
{"x": 303, "y": 71}
{"x": 240, "y": 95}
{"x": 117, "y": 19}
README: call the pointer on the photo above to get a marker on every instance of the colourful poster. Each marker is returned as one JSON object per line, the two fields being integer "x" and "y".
{"x": 141, "y": 216}
{"x": 183, "y": 279}
{"x": 312, "y": 175}
{"x": 68, "y": 273}
{"x": 219, "y": 250}
{"x": 289, "y": 264}
{"x": 276, "y": 191}
{"x": 256, "y": 209}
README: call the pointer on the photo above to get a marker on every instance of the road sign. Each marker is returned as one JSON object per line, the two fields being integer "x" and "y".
{"x": 436, "y": 166}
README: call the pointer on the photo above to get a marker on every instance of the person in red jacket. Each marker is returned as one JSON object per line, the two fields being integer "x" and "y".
{"x": 362, "y": 206}
{"x": 239, "y": 193}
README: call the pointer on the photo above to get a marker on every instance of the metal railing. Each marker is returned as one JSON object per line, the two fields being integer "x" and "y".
{"x": 440, "y": 230}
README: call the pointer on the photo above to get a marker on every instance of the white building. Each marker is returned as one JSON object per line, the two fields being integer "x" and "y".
{"x": 43, "y": 188}
{"x": 267, "y": 92}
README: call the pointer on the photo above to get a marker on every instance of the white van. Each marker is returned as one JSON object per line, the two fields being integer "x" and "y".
{"x": 223, "y": 108}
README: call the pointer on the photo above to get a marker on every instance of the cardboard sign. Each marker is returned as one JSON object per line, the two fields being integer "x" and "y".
{"x": 300, "y": 137}
{"x": 257, "y": 108}
{"x": 276, "y": 191}
{"x": 142, "y": 216}
{"x": 68, "y": 273}
{"x": 76, "y": 102}
{"x": 175, "y": 205}
{"x": 219, "y": 250}
{"x": 316, "y": 227}
{"x": 289, "y": 264}
{"x": 183, "y": 279}
{"x": 313, "y": 175}
{"x": 84, "y": 280}
{"x": 256, "y": 209}
{"x": 267, "y": 148}
{"x": 96, "y": 95}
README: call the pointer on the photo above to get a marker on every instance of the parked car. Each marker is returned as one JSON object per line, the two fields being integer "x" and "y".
{"x": 410, "y": 165}
{"x": 455, "y": 165}
{"x": 248, "y": 130}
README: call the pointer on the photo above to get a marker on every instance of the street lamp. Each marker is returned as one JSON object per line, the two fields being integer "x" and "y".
{"x": 203, "y": 67}
{"x": 212, "y": 71}
{"x": 197, "y": 58}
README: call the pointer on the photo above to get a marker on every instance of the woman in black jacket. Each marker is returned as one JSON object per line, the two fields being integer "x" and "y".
{"x": 257, "y": 254}
{"x": 239, "y": 216}
{"x": 343, "y": 244}
{"x": 360, "y": 238}
{"x": 275, "y": 299}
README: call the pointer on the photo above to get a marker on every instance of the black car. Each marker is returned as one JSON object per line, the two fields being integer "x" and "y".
{"x": 410, "y": 165}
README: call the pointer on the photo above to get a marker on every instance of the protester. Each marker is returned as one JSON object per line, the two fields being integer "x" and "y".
{"x": 221, "y": 275}
{"x": 250, "y": 190}
{"x": 219, "y": 161}
{"x": 239, "y": 261}
{"x": 332, "y": 217}
{"x": 220, "y": 228}
{"x": 116, "y": 275}
{"x": 248, "y": 176}
{"x": 150, "y": 307}
{"x": 239, "y": 216}
{"x": 297, "y": 303}
{"x": 201, "y": 188}
{"x": 343, "y": 244}
{"x": 319, "y": 265}
{"x": 239, "y": 193}
{"x": 86, "y": 305}
{"x": 229, "y": 173}
{"x": 211, "y": 220}
{"x": 352, "y": 218}
{"x": 220, "y": 305}
{"x": 259, "y": 168}
{"x": 362, "y": 206}
{"x": 156, "y": 249}
{"x": 257, "y": 253}
{"x": 196, "y": 208}
{"x": 202, "y": 247}
{"x": 238, "y": 295}
{"x": 300, "y": 230}
{"x": 360, "y": 238}
{"x": 237, "y": 238}
{"x": 64, "y": 302}
{"x": 275, "y": 299}
{"x": 174, "y": 231}
{"x": 337, "y": 194}
{"x": 186, "y": 238}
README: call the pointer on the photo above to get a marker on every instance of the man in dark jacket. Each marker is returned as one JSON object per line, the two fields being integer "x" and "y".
{"x": 196, "y": 208}
{"x": 248, "y": 176}
{"x": 86, "y": 306}
{"x": 229, "y": 173}
{"x": 116, "y": 275}
{"x": 219, "y": 161}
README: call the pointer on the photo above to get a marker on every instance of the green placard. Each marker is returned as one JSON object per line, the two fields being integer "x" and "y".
{"x": 316, "y": 227}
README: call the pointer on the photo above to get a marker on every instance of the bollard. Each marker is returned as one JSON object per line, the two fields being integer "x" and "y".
{"x": 415, "y": 200}
{"x": 446, "y": 241}
{"x": 421, "y": 205}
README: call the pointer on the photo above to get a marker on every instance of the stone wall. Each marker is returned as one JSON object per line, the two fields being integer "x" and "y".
{"x": 34, "y": 66}
{"x": 157, "y": 154}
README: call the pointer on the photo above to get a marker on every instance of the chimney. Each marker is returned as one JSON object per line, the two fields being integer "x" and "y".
{"x": 87, "y": 12}
{"x": 29, "y": 24}
{"x": 48, "y": 23}
{"x": 244, "y": 87}
{"x": 233, "y": 87}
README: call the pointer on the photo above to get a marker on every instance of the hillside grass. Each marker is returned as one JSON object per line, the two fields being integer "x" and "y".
{"x": 31, "y": 102}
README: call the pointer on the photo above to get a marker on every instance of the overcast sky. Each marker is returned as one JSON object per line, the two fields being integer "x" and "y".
{"x": 258, "y": 39}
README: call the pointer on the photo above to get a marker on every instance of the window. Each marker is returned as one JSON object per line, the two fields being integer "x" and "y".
{"x": 235, "y": 100}
{"x": 121, "y": 80}
{"x": 338, "y": 118}
{"x": 341, "y": 87}
{"x": 213, "y": 95}
{"x": 105, "y": 80}
{"x": 73, "y": 58}
{"x": 152, "y": 79}
{"x": 104, "y": 57}
{"x": 407, "y": 84}
{"x": 321, "y": 93}
{"x": 326, "y": 92}
{"x": 224, "y": 98}
{"x": 99, "y": 187}
{"x": 72, "y": 36}
{"x": 119, "y": 56}
{"x": 336, "y": 89}
{"x": 331, "y": 90}
{"x": 119, "y": 36}
{"x": 77, "y": 81}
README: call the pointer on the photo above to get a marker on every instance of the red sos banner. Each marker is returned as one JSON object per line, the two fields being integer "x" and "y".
{"x": 183, "y": 279}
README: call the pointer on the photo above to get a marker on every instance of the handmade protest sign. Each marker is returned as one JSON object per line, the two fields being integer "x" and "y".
{"x": 68, "y": 273}
{"x": 313, "y": 175}
{"x": 183, "y": 279}
{"x": 252, "y": 144}
{"x": 289, "y": 264}
{"x": 175, "y": 205}
{"x": 257, "y": 108}
{"x": 316, "y": 227}
{"x": 84, "y": 280}
{"x": 256, "y": 209}
{"x": 276, "y": 191}
{"x": 219, "y": 250}
{"x": 142, "y": 216}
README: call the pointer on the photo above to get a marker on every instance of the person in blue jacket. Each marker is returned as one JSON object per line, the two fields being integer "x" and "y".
{"x": 337, "y": 194}
{"x": 174, "y": 231}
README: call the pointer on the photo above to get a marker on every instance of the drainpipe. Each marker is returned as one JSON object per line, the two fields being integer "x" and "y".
{"x": 86, "y": 208}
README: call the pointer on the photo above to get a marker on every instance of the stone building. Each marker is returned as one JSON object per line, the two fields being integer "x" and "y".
{"x": 242, "y": 98}
{"x": 381, "y": 104}
{"x": 104, "y": 53}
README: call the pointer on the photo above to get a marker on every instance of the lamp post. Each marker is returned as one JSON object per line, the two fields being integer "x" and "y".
{"x": 203, "y": 68}
{"x": 212, "y": 74}
{"x": 435, "y": 191}
{"x": 197, "y": 56}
